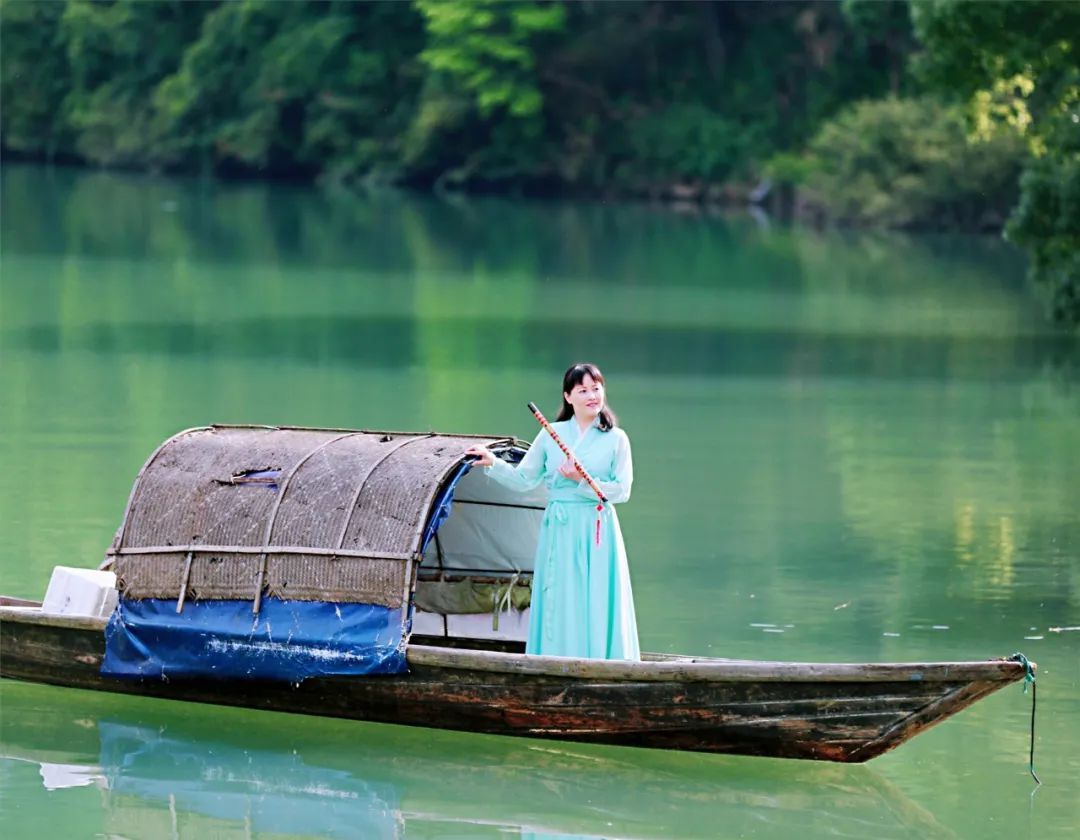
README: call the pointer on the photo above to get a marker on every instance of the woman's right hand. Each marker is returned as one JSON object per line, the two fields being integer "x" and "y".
{"x": 483, "y": 455}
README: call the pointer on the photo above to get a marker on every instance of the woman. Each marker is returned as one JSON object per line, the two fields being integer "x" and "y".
{"x": 582, "y": 604}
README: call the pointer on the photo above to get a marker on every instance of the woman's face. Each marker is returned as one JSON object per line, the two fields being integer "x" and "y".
{"x": 586, "y": 398}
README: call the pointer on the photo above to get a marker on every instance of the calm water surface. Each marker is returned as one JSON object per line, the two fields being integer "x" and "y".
{"x": 847, "y": 447}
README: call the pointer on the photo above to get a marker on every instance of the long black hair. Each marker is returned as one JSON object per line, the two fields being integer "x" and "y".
{"x": 573, "y": 377}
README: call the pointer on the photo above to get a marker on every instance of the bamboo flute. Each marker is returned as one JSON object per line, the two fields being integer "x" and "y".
{"x": 573, "y": 460}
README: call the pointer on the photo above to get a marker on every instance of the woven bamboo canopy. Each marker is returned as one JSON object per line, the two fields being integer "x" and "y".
{"x": 233, "y": 512}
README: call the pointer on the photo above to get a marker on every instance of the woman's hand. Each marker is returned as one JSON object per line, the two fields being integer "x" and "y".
{"x": 568, "y": 470}
{"x": 483, "y": 455}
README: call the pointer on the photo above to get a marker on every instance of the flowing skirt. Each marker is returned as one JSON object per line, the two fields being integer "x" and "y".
{"x": 582, "y": 603}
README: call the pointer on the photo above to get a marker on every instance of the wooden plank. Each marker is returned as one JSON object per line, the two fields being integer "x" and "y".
{"x": 8, "y": 601}
{"x": 726, "y": 670}
{"x": 196, "y": 548}
{"x": 13, "y": 616}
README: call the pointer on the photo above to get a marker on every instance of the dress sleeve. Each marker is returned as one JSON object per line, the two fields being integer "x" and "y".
{"x": 527, "y": 474}
{"x": 619, "y": 489}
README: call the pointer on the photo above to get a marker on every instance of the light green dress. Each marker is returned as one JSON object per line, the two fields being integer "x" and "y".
{"x": 582, "y": 604}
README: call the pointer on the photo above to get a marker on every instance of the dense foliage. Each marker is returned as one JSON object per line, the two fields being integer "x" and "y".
{"x": 909, "y": 163}
{"x": 878, "y": 112}
{"x": 1018, "y": 66}
{"x": 548, "y": 96}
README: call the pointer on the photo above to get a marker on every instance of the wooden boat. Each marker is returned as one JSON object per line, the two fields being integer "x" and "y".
{"x": 466, "y": 671}
{"x": 836, "y": 712}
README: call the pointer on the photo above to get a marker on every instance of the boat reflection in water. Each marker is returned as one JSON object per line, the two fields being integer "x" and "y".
{"x": 224, "y": 773}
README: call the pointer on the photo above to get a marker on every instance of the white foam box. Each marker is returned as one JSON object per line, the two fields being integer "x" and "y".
{"x": 80, "y": 592}
{"x": 513, "y": 625}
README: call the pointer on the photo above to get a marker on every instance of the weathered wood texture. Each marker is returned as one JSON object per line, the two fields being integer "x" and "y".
{"x": 688, "y": 705}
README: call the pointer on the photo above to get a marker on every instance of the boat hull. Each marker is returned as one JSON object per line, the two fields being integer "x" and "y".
{"x": 847, "y": 713}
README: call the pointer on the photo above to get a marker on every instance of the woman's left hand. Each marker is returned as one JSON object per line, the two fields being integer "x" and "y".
{"x": 482, "y": 454}
{"x": 569, "y": 471}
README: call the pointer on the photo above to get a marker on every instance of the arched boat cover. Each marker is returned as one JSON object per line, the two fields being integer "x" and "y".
{"x": 285, "y": 553}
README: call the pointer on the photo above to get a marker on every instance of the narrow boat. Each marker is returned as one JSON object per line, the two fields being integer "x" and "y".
{"x": 373, "y": 576}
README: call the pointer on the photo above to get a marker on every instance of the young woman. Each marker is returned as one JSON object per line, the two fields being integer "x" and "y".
{"x": 582, "y": 604}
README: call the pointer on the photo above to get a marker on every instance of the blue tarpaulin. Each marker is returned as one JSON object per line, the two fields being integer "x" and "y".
{"x": 443, "y": 502}
{"x": 288, "y": 640}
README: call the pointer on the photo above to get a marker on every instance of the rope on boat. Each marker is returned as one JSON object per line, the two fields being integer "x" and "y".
{"x": 1029, "y": 679}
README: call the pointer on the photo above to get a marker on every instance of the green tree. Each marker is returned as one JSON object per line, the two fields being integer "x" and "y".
{"x": 908, "y": 163}
{"x": 481, "y": 113}
{"x": 885, "y": 28}
{"x": 486, "y": 45}
{"x": 278, "y": 87}
{"x": 1018, "y": 66}
{"x": 690, "y": 141}
{"x": 117, "y": 53}
{"x": 34, "y": 78}
{"x": 1047, "y": 223}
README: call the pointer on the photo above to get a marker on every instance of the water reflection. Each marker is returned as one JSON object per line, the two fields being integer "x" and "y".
{"x": 480, "y": 343}
{"x": 869, "y": 283}
{"x": 543, "y": 343}
{"x": 185, "y": 268}
{"x": 238, "y": 774}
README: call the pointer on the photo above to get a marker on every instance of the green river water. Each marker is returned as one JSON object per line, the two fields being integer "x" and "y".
{"x": 847, "y": 447}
